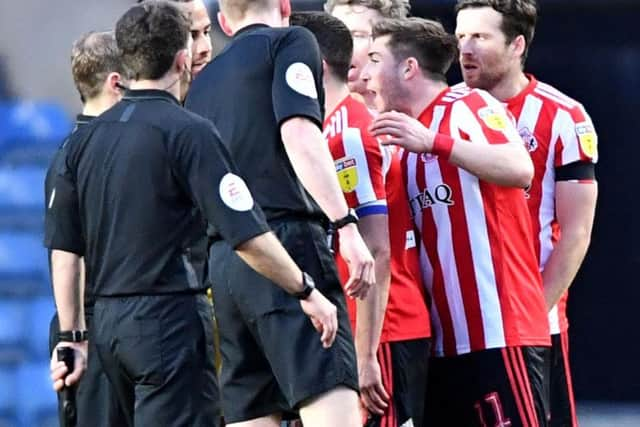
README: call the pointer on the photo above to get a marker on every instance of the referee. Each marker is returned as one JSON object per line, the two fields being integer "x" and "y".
{"x": 264, "y": 93}
{"x": 148, "y": 177}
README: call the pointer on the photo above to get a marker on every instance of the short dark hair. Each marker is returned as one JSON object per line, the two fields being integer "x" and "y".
{"x": 386, "y": 8}
{"x": 334, "y": 39}
{"x": 93, "y": 57}
{"x": 423, "y": 39}
{"x": 519, "y": 17}
{"x": 149, "y": 35}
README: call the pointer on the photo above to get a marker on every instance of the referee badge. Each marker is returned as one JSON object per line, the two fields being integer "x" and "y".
{"x": 235, "y": 193}
{"x": 299, "y": 77}
{"x": 347, "y": 174}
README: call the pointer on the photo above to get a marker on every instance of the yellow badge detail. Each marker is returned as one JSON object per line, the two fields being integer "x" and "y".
{"x": 494, "y": 118}
{"x": 347, "y": 174}
{"x": 588, "y": 139}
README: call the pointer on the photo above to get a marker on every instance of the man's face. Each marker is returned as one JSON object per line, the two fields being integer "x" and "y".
{"x": 485, "y": 56}
{"x": 383, "y": 78}
{"x": 200, "y": 29}
{"x": 359, "y": 20}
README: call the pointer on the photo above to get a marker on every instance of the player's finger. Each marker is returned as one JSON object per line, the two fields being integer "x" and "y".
{"x": 316, "y": 324}
{"x": 58, "y": 385}
{"x": 326, "y": 334}
{"x": 382, "y": 392}
{"x": 385, "y": 129}
{"x": 334, "y": 326}
{"x": 365, "y": 282}
{"x": 373, "y": 401}
{"x": 59, "y": 371}
{"x": 355, "y": 281}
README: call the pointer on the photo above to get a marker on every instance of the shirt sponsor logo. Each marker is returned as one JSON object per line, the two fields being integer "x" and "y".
{"x": 441, "y": 194}
{"x": 234, "y": 193}
{"x": 494, "y": 118}
{"x": 300, "y": 78}
{"x": 530, "y": 141}
{"x": 587, "y": 138}
{"x": 347, "y": 174}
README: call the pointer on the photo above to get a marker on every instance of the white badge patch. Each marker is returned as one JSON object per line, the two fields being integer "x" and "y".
{"x": 234, "y": 193}
{"x": 300, "y": 78}
{"x": 410, "y": 241}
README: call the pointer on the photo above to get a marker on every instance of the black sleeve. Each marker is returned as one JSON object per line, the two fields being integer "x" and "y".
{"x": 297, "y": 77}
{"x": 205, "y": 169}
{"x": 580, "y": 170}
{"x": 62, "y": 224}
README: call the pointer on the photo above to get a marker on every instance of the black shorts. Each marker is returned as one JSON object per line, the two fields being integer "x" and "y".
{"x": 272, "y": 357}
{"x": 562, "y": 404}
{"x": 497, "y": 387}
{"x": 158, "y": 353}
{"x": 96, "y": 403}
{"x": 403, "y": 365}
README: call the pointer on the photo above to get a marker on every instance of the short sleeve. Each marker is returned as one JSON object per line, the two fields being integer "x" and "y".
{"x": 577, "y": 139}
{"x": 63, "y": 225}
{"x": 207, "y": 173}
{"x": 297, "y": 77}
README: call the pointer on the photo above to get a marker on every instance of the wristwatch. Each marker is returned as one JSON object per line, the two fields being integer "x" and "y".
{"x": 350, "y": 218}
{"x": 308, "y": 286}
{"x": 73, "y": 336}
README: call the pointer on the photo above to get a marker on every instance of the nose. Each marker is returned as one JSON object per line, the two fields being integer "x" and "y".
{"x": 465, "y": 45}
{"x": 202, "y": 45}
{"x": 365, "y": 75}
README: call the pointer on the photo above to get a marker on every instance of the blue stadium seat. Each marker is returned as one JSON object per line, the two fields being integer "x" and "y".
{"x": 33, "y": 120}
{"x": 36, "y": 400}
{"x": 23, "y": 264}
{"x": 7, "y": 391}
{"x": 13, "y": 330}
{"x": 40, "y": 311}
{"x": 34, "y": 152}
{"x": 22, "y": 197}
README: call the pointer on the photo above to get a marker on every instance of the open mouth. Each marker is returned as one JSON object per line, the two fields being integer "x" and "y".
{"x": 469, "y": 67}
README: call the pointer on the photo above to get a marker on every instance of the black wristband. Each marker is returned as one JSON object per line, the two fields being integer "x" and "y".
{"x": 308, "y": 286}
{"x": 73, "y": 336}
{"x": 350, "y": 218}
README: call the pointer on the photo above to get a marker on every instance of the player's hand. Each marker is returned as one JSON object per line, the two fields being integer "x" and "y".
{"x": 59, "y": 370}
{"x": 361, "y": 268}
{"x": 323, "y": 315}
{"x": 397, "y": 128}
{"x": 373, "y": 395}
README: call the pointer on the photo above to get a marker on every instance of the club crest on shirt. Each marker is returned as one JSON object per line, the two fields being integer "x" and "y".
{"x": 494, "y": 118}
{"x": 347, "y": 174}
{"x": 235, "y": 193}
{"x": 530, "y": 141}
{"x": 299, "y": 77}
{"x": 587, "y": 138}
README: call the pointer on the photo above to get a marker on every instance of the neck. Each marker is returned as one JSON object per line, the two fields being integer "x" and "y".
{"x": 423, "y": 95}
{"x": 272, "y": 18}
{"x": 510, "y": 86}
{"x": 169, "y": 83}
{"x": 96, "y": 106}
{"x": 334, "y": 92}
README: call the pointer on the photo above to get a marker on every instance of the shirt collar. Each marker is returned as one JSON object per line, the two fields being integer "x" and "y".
{"x": 249, "y": 28}
{"x": 83, "y": 119}
{"x": 147, "y": 94}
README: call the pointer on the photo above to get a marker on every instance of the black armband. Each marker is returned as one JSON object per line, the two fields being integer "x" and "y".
{"x": 576, "y": 171}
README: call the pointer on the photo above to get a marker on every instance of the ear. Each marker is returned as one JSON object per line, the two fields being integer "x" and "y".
{"x": 183, "y": 60}
{"x": 410, "y": 68}
{"x": 113, "y": 79}
{"x": 325, "y": 68}
{"x": 285, "y": 8}
{"x": 225, "y": 25}
{"x": 519, "y": 45}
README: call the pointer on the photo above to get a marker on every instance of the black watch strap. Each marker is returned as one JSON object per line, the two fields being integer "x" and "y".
{"x": 350, "y": 218}
{"x": 308, "y": 286}
{"x": 73, "y": 336}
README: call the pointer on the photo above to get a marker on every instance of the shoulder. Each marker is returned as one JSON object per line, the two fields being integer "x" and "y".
{"x": 557, "y": 100}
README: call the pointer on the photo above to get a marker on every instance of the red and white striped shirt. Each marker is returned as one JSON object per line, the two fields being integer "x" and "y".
{"x": 477, "y": 251}
{"x": 557, "y": 131}
{"x": 371, "y": 180}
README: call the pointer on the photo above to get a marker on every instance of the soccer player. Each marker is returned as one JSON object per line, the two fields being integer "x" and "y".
{"x": 494, "y": 38}
{"x": 466, "y": 169}
{"x": 359, "y": 16}
{"x": 392, "y": 355}
{"x": 264, "y": 93}
{"x": 97, "y": 73}
{"x": 147, "y": 177}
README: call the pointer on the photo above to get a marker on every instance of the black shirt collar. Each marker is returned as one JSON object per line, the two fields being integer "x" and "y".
{"x": 146, "y": 94}
{"x": 83, "y": 119}
{"x": 249, "y": 28}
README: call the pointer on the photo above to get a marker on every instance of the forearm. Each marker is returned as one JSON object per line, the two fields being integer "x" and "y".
{"x": 311, "y": 160}
{"x": 267, "y": 256}
{"x": 503, "y": 164}
{"x": 66, "y": 270}
{"x": 562, "y": 266}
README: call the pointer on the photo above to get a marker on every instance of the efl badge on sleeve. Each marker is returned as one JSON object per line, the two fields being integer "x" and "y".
{"x": 588, "y": 139}
{"x": 347, "y": 174}
{"x": 494, "y": 118}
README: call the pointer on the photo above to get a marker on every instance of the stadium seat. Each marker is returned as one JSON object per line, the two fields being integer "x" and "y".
{"x": 7, "y": 391}
{"x": 39, "y": 311}
{"x": 36, "y": 400}
{"x": 33, "y": 120}
{"x": 13, "y": 330}
{"x": 34, "y": 152}
{"x": 23, "y": 264}
{"x": 22, "y": 198}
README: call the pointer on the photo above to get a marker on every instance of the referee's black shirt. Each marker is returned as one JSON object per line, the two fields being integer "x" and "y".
{"x": 262, "y": 78}
{"x": 148, "y": 176}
